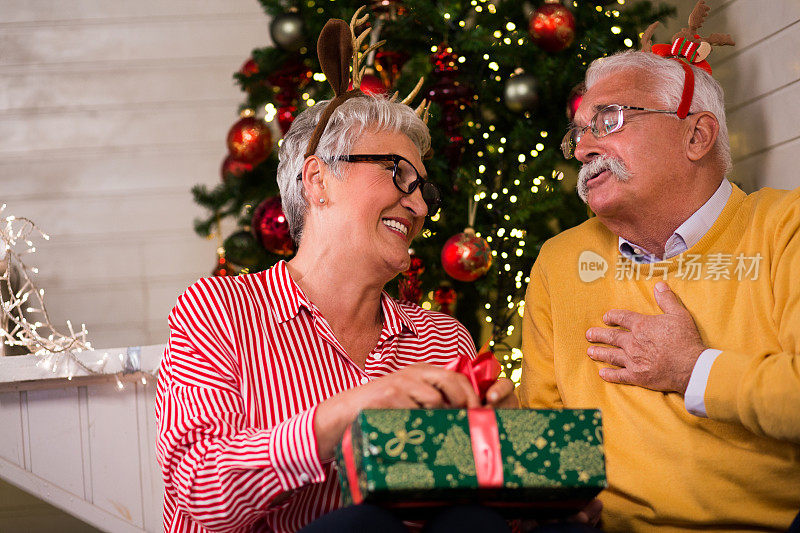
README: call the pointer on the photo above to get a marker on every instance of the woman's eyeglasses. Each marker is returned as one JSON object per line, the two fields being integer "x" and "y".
{"x": 404, "y": 175}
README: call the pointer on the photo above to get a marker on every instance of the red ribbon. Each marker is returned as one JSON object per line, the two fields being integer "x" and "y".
{"x": 482, "y": 372}
{"x": 350, "y": 467}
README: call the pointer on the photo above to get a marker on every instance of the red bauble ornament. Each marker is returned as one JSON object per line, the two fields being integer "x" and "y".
{"x": 271, "y": 228}
{"x": 248, "y": 68}
{"x": 552, "y": 27}
{"x": 286, "y": 117}
{"x": 466, "y": 257}
{"x": 445, "y": 296}
{"x": 371, "y": 84}
{"x": 232, "y": 168}
{"x": 249, "y": 140}
{"x": 574, "y": 100}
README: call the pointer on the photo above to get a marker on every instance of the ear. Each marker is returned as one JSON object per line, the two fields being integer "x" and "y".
{"x": 702, "y": 135}
{"x": 314, "y": 180}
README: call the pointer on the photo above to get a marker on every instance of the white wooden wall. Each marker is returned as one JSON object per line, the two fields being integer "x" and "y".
{"x": 110, "y": 110}
{"x": 761, "y": 79}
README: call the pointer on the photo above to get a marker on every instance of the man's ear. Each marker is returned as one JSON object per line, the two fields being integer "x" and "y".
{"x": 314, "y": 179}
{"x": 702, "y": 136}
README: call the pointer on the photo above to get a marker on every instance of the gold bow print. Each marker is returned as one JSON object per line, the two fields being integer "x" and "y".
{"x": 395, "y": 445}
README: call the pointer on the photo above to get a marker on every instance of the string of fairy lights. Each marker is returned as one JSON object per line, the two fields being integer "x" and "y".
{"x": 25, "y": 321}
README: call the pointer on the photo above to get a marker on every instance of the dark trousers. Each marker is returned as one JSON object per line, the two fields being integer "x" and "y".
{"x": 367, "y": 518}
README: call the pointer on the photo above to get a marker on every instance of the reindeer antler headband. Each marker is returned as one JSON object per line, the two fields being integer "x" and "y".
{"x": 689, "y": 49}
{"x": 336, "y": 45}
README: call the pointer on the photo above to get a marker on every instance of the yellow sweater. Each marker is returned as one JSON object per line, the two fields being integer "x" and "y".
{"x": 668, "y": 470}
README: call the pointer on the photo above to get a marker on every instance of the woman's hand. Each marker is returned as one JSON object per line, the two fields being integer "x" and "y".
{"x": 501, "y": 394}
{"x": 412, "y": 387}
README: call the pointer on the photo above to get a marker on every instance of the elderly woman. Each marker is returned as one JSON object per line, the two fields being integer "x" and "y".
{"x": 264, "y": 371}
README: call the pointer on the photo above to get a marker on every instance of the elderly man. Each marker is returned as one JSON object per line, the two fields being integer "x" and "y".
{"x": 676, "y": 310}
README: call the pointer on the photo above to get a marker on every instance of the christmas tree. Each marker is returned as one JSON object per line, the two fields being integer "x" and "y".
{"x": 503, "y": 77}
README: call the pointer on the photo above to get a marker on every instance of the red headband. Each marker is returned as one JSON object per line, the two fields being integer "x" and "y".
{"x": 689, "y": 49}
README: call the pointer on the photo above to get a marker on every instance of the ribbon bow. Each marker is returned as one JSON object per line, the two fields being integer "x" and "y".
{"x": 482, "y": 371}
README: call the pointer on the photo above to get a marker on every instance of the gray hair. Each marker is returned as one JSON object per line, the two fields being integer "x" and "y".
{"x": 347, "y": 123}
{"x": 708, "y": 94}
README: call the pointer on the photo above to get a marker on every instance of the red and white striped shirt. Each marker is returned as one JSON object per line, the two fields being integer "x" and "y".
{"x": 249, "y": 359}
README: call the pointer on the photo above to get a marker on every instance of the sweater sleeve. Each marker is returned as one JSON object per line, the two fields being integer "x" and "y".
{"x": 222, "y": 472}
{"x": 762, "y": 390}
{"x": 538, "y": 386}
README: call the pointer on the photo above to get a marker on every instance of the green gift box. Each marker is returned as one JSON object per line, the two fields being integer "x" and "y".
{"x": 543, "y": 463}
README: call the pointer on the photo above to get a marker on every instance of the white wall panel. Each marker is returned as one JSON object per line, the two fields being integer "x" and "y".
{"x": 53, "y": 88}
{"x": 114, "y": 450}
{"x": 766, "y": 122}
{"x": 56, "y": 444}
{"x": 128, "y": 40}
{"x": 762, "y": 68}
{"x": 11, "y": 423}
{"x": 91, "y": 171}
{"x": 775, "y": 168}
{"x": 21, "y": 11}
{"x": 173, "y": 124}
{"x": 749, "y": 21}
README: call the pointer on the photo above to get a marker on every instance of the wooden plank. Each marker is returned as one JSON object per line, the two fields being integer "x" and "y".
{"x": 85, "y": 424}
{"x": 749, "y": 22}
{"x": 110, "y": 215}
{"x": 173, "y": 259}
{"x": 177, "y": 124}
{"x": 63, "y": 499}
{"x": 54, "y": 442}
{"x": 152, "y": 485}
{"x": 765, "y": 122}
{"x": 114, "y": 451}
{"x": 11, "y": 443}
{"x": 27, "y": 11}
{"x": 775, "y": 168}
{"x": 79, "y": 173}
{"x": 760, "y": 69}
{"x": 120, "y": 40}
{"x": 23, "y": 369}
{"x": 86, "y": 173}
{"x": 120, "y": 86}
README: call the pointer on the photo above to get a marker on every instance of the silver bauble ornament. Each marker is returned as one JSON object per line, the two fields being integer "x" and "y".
{"x": 520, "y": 93}
{"x": 286, "y": 31}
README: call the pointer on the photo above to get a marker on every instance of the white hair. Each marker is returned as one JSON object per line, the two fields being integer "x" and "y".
{"x": 347, "y": 124}
{"x": 708, "y": 94}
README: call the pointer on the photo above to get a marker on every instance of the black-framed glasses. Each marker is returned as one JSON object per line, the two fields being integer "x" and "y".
{"x": 405, "y": 177}
{"x": 607, "y": 120}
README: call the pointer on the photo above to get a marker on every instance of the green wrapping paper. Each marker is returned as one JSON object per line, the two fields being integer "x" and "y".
{"x": 413, "y": 459}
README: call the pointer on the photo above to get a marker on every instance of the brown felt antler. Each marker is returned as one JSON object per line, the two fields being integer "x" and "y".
{"x": 696, "y": 19}
{"x": 338, "y": 47}
{"x": 647, "y": 37}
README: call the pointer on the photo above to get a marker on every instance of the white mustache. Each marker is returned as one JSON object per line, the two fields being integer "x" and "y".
{"x": 595, "y": 167}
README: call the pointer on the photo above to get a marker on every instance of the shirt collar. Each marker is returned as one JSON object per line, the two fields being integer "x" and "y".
{"x": 287, "y": 298}
{"x": 689, "y": 233}
{"x": 395, "y": 319}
